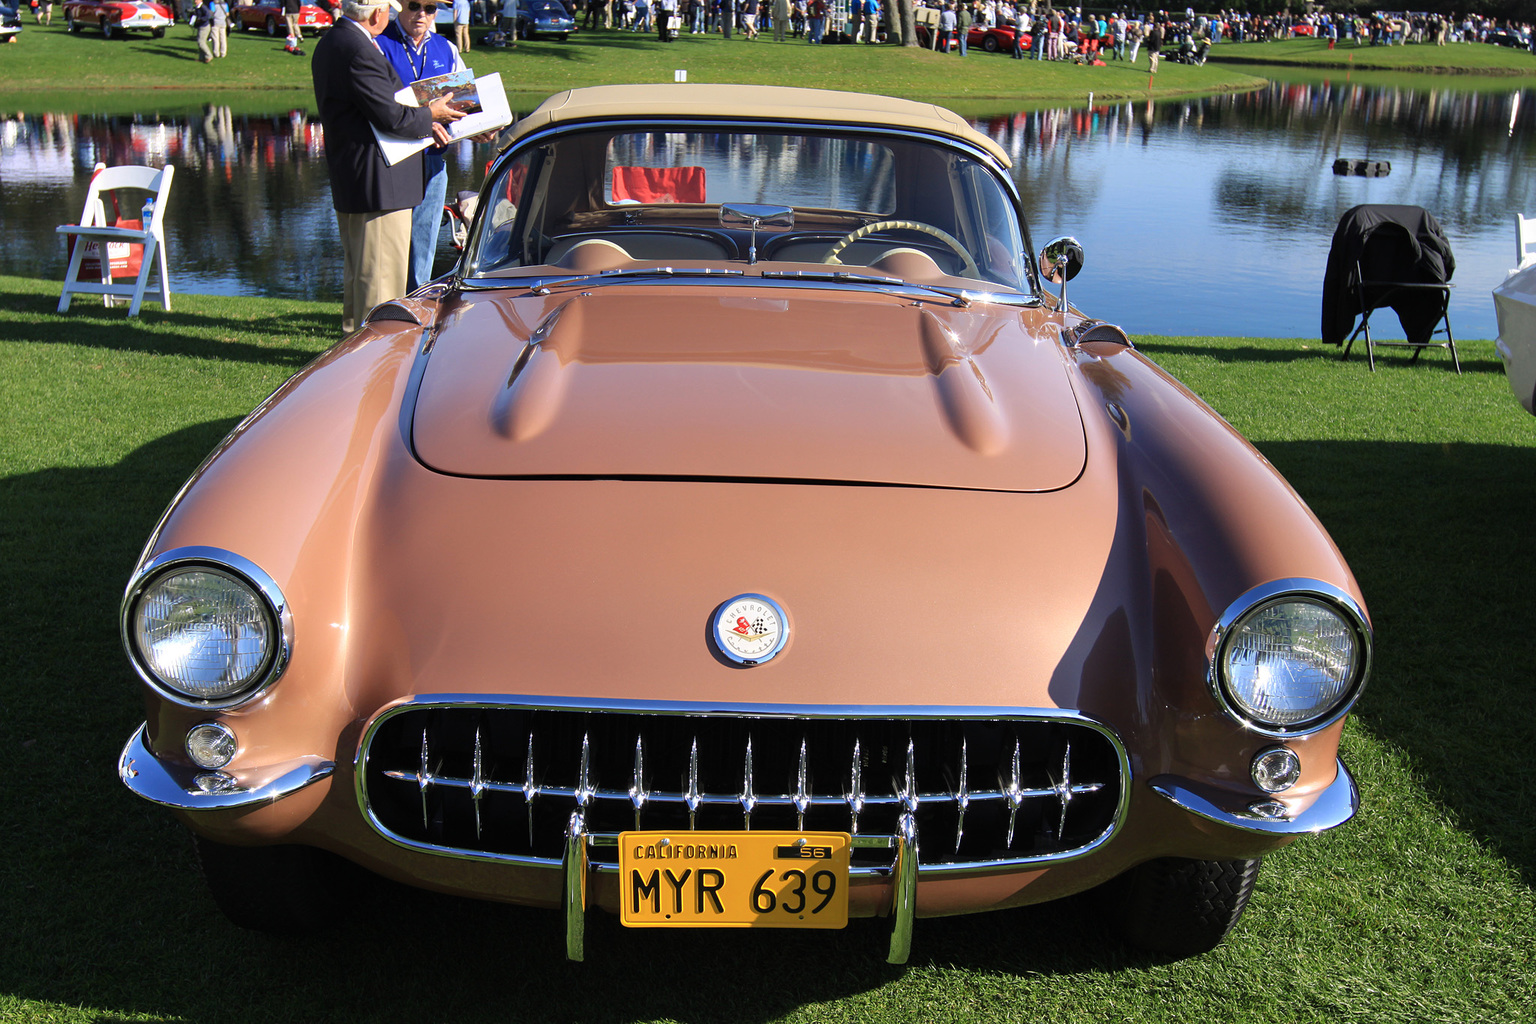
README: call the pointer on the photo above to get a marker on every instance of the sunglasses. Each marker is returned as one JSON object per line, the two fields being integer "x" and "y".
{"x": 414, "y": 6}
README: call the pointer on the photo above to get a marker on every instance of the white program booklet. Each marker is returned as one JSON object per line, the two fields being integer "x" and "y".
{"x": 483, "y": 101}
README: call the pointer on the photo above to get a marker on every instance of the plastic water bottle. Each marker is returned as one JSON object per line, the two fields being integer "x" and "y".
{"x": 148, "y": 213}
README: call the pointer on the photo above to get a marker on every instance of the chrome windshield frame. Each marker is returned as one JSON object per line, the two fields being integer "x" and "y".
{"x": 464, "y": 279}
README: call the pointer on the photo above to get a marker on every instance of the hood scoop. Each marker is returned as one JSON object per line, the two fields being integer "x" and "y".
{"x": 731, "y": 383}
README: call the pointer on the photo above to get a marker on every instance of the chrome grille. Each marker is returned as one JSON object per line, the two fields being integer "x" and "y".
{"x": 501, "y": 781}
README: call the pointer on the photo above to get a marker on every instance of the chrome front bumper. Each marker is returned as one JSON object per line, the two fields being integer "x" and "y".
{"x": 199, "y": 789}
{"x": 1332, "y": 808}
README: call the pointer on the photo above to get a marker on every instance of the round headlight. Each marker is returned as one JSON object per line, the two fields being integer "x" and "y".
{"x": 1292, "y": 663}
{"x": 204, "y": 633}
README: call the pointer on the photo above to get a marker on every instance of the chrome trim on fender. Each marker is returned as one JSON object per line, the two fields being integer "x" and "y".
{"x": 683, "y": 708}
{"x": 173, "y": 785}
{"x": 229, "y": 562}
{"x": 1332, "y": 808}
{"x": 1324, "y": 593}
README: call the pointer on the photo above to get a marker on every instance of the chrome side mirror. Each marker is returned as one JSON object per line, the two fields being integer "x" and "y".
{"x": 1060, "y": 261}
{"x": 755, "y": 216}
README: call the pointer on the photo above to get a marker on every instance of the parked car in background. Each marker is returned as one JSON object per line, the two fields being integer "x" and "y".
{"x": 747, "y": 533}
{"x": 544, "y": 18}
{"x": 10, "y": 23}
{"x": 1514, "y": 303}
{"x": 991, "y": 38}
{"x": 1508, "y": 37}
{"x": 116, "y": 17}
{"x": 268, "y": 18}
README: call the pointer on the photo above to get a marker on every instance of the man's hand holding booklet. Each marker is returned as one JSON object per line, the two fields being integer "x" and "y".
{"x": 483, "y": 102}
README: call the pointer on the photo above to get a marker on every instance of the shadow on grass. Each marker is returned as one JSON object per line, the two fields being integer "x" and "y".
{"x": 89, "y": 324}
{"x": 104, "y": 907}
{"x": 1440, "y": 539}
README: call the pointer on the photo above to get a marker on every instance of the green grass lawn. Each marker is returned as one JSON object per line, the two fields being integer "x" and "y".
{"x": 1453, "y": 58}
{"x": 49, "y": 70}
{"x": 1422, "y": 909}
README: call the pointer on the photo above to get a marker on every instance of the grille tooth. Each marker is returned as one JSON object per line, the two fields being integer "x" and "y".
{"x": 962, "y": 800}
{"x": 908, "y": 791}
{"x": 637, "y": 792}
{"x": 802, "y": 796}
{"x": 424, "y": 778}
{"x": 446, "y": 778}
{"x": 584, "y": 780}
{"x": 855, "y": 796}
{"x": 530, "y": 788}
{"x": 692, "y": 797}
{"x": 748, "y": 796}
{"x": 477, "y": 782}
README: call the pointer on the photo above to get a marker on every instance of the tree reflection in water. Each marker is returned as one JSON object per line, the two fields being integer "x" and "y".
{"x": 1199, "y": 216}
{"x": 1214, "y": 215}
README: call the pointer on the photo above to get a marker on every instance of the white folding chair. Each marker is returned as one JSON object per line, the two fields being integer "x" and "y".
{"x": 1525, "y": 242}
{"x": 93, "y": 228}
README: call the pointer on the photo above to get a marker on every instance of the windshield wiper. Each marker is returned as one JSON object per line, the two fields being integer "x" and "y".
{"x": 956, "y": 297}
{"x": 545, "y": 287}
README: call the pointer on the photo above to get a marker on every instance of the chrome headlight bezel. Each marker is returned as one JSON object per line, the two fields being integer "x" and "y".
{"x": 1267, "y": 595}
{"x": 242, "y": 571}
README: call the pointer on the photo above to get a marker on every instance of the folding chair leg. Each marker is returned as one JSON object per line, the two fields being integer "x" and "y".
{"x": 142, "y": 281}
{"x": 1450, "y": 343}
{"x": 165, "y": 278}
{"x": 71, "y": 275}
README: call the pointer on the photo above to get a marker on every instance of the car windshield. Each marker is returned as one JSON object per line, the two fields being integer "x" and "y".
{"x": 903, "y": 205}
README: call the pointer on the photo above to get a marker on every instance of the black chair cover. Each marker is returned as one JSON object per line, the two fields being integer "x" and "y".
{"x": 1392, "y": 243}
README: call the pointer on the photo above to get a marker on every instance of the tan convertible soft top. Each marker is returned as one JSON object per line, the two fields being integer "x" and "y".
{"x": 751, "y": 102}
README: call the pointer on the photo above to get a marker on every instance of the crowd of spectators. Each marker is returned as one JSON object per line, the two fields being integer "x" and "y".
{"x": 1065, "y": 33}
{"x": 1112, "y": 34}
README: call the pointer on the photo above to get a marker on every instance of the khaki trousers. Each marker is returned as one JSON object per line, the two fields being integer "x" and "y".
{"x": 376, "y": 255}
{"x": 461, "y": 33}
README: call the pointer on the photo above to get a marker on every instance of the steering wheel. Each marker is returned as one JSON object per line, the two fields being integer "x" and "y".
{"x": 908, "y": 225}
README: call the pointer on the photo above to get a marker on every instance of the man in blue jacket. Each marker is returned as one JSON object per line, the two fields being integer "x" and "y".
{"x": 417, "y": 53}
{"x": 355, "y": 88}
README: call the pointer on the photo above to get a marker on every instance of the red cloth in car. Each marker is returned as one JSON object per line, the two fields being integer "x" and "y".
{"x": 659, "y": 184}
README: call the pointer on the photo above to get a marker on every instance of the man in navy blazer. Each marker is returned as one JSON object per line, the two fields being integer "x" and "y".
{"x": 355, "y": 88}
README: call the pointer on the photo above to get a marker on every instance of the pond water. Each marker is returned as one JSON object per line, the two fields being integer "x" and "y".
{"x": 1199, "y": 216}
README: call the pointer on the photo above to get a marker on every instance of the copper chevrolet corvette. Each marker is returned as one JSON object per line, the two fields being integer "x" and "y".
{"x": 747, "y": 533}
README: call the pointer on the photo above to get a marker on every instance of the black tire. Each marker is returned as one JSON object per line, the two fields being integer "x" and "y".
{"x": 108, "y": 28}
{"x": 272, "y": 27}
{"x": 70, "y": 22}
{"x": 285, "y": 890}
{"x": 1183, "y": 907}
{"x": 157, "y": 33}
{"x": 989, "y": 43}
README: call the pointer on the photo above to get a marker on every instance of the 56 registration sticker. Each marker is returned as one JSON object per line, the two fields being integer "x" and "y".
{"x": 734, "y": 879}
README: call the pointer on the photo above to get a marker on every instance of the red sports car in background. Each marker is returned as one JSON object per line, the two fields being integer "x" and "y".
{"x": 991, "y": 38}
{"x": 269, "y": 17}
{"x": 117, "y": 16}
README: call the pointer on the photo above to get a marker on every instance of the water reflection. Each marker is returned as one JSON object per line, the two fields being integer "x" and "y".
{"x": 1214, "y": 215}
{"x": 250, "y": 209}
{"x": 1200, "y": 216}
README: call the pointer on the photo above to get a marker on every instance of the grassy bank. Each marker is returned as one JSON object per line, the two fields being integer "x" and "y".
{"x": 1421, "y": 909}
{"x": 1425, "y": 58}
{"x": 50, "y": 69}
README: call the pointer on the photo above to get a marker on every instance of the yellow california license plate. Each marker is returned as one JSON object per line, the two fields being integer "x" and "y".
{"x": 734, "y": 879}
